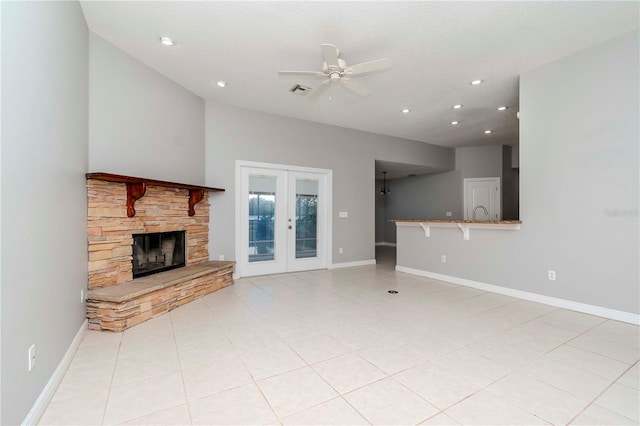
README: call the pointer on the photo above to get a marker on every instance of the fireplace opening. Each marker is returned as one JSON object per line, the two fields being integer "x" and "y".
{"x": 157, "y": 252}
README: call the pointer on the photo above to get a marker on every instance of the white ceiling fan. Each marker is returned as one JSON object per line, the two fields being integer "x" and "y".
{"x": 336, "y": 70}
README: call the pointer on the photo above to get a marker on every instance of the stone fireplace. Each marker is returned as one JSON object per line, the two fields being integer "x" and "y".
{"x": 137, "y": 227}
{"x": 157, "y": 252}
{"x": 110, "y": 231}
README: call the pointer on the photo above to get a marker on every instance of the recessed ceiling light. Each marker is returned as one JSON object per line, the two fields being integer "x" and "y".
{"x": 455, "y": 122}
{"x": 502, "y": 108}
{"x": 476, "y": 82}
{"x": 406, "y": 111}
{"x": 167, "y": 41}
{"x": 222, "y": 83}
{"x": 458, "y": 106}
{"x": 487, "y": 131}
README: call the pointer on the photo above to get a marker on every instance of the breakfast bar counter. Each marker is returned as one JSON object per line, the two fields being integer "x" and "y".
{"x": 464, "y": 225}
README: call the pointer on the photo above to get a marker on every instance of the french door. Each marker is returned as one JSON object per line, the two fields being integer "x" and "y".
{"x": 283, "y": 221}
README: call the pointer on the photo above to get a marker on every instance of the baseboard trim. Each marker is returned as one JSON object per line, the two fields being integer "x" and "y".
{"x": 386, "y": 244}
{"x": 533, "y": 297}
{"x": 351, "y": 264}
{"x": 54, "y": 381}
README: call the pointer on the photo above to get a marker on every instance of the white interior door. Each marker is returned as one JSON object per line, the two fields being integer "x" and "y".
{"x": 482, "y": 199}
{"x": 283, "y": 221}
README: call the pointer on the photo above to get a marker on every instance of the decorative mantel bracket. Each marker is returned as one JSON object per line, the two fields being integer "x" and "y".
{"x": 135, "y": 191}
{"x": 137, "y": 187}
{"x": 195, "y": 196}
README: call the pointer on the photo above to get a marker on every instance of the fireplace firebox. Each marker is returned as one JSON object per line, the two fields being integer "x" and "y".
{"x": 157, "y": 252}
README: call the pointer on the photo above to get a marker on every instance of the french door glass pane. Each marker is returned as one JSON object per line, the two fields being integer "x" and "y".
{"x": 306, "y": 218}
{"x": 262, "y": 220}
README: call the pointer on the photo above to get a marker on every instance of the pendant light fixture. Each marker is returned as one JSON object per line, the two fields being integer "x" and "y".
{"x": 384, "y": 191}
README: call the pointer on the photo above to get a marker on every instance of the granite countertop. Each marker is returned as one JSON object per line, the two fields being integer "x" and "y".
{"x": 481, "y": 222}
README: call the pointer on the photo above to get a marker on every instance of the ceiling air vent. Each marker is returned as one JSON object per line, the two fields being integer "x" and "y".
{"x": 300, "y": 90}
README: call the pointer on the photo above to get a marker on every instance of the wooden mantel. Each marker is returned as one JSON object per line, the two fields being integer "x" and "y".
{"x": 137, "y": 187}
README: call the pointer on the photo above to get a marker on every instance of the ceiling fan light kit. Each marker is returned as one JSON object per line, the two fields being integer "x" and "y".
{"x": 335, "y": 70}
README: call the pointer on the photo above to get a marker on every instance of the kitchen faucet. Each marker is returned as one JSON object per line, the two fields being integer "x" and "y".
{"x": 480, "y": 206}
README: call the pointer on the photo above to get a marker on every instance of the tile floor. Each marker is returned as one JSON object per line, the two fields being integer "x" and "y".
{"x": 334, "y": 347}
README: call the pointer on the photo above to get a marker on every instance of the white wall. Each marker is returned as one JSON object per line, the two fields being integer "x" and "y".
{"x": 579, "y": 180}
{"x": 239, "y": 134}
{"x": 44, "y": 207}
{"x": 141, "y": 123}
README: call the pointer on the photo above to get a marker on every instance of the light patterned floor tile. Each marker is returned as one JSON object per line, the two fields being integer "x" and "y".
{"x": 437, "y": 385}
{"x": 621, "y": 399}
{"x": 85, "y": 378}
{"x": 428, "y": 344}
{"x": 440, "y": 419}
{"x": 334, "y": 412}
{"x": 134, "y": 344}
{"x": 204, "y": 351}
{"x": 617, "y": 332}
{"x": 589, "y": 361}
{"x": 484, "y": 408}
{"x": 271, "y": 360}
{"x": 631, "y": 378}
{"x": 545, "y": 401}
{"x": 310, "y": 390}
{"x": 443, "y": 342}
{"x": 145, "y": 364}
{"x": 196, "y": 334}
{"x": 96, "y": 353}
{"x": 498, "y": 350}
{"x": 83, "y": 409}
{"x": 319, "y": 348}
{"x": 213, "y": 377}
{"x": 599, "y": 416}
{"x": 579, "y": 383}
{"x": 387, "y": 402}
{"x": 144, "y": 397}
{"x": 613, "y": 350}
{"x": 473, "y": 367}
{"x": 178, "y": 415}
{"x": 392, "y": 358}
{"x": 359, "y": 337}
{"x": 240, "y": 406}
{"x": 348, "y": 372}
{"x": 570, "y": 320}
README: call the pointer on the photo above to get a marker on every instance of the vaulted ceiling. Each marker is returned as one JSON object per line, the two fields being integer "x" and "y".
{"x": 437, "y": 49}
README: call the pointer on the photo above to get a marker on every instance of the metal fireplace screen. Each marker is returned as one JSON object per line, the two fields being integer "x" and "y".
{"x": 157, "y": 252}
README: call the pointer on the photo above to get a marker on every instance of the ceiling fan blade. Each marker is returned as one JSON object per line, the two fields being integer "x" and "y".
{"x": 356, "y": 87}
{"x": 303, "y": 73}
{"x": 330, "y": 55}
{"x": 377, "y": 65}
{"x": 318, "y": 90}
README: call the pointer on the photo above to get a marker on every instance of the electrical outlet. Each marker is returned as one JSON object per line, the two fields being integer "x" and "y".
{"x": 448, "y": 214}
{"x": 343, "y": 214}
{"x": 221, "y": 257}
{"x": 82, "y": 296}
{"x": 552, "y": 275}
{"x": 340, "y": 250}
{"x": 443, "y": 259}
{"x": 32, "y": 356}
